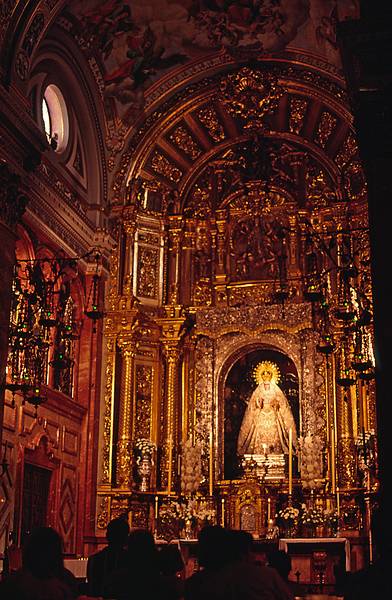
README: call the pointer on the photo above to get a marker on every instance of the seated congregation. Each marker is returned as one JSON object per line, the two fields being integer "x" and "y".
{"x": 133, "y": 566}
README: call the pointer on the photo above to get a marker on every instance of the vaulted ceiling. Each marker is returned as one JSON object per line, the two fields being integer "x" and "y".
{"x": 158, "y": 73}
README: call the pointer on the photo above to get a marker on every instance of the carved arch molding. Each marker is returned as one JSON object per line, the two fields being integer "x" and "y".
{"x": 287, "y": 330}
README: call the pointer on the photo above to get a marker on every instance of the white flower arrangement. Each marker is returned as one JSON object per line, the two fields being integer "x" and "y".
{"x": 167, "y": 512}
{"x": 205, "y": 513}
{"x": 186, "y": 510}
{"x": 191, "y": 468}
{"x": 311, "y": 448}
{"x": 312, "y": 516}
{"x": 190, "y": 509}
{"x": 145, "y": 447}
{"x": 331, "y": 518}
{"x": 288, "y": 516}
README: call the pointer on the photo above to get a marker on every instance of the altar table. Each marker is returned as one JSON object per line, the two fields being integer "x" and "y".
{"x": 306, "y": 552}
{"x": 77, "y": 566}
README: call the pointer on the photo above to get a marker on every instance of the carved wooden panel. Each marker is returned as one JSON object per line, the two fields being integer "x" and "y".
{"x": 144, "y": 387}
{"x": 67, "y": 511}
{"x": 147, "y": 272}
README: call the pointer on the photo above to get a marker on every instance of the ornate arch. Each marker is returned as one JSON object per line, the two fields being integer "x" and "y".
{"x": 218, "y": 349}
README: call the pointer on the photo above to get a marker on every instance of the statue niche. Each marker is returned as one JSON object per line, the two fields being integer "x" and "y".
{"x": 261, "y": 406}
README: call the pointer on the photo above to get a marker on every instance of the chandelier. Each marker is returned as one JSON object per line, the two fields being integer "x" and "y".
{"x": 338, "y": 286}
{"x": 42, "y": 330}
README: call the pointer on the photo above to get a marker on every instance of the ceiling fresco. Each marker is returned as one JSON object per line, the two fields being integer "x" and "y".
{"x": 130, "y": 44}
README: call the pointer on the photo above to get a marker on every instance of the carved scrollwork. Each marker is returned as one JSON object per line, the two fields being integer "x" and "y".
{"x": 298, "y": 107}
{"x": 183, "y": 140}
{"x": 161, "y": 165}
{"x": 124, "y": 463}
{"x": 347, "y": 151}
{"x": 209, "y": 118}
{"x": 147, "y": 272}
{"x": 251, "y": 95}
{"x": 325, "y": 129}
{"x": 144, "y": 381}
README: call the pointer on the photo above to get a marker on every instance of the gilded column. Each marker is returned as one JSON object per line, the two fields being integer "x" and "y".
{"x": 124, "y": 443}
{"x": 129, "y": 226}
{"x": 220, "y": 255}
{"x": 172, "y": 355}
{"x": 221, "y": 219}
{"x": 293, "y": 267}
{"x": 172, "y": 330}
{"x": 329, "y": 427}
{"x": 175, "y": 234}
{"x": 345, "y": 441}
{"x": 107, "y": 447}
{"x": 334, "y": 429}
{"x": 186, "y": 273}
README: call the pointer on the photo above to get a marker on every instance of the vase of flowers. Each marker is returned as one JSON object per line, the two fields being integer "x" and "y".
{"x": 186, "y": 515}
{"x": 287, "y": 520}
{"x": 331, "y": 519}
{"x": 144, "y": 450}
{"x": 312, "y": 521}
{"x": 168, "y": 524}
{"x": 192, "y": 513}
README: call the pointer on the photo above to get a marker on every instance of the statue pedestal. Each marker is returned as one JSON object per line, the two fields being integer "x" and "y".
{"x": 270, "y": 467}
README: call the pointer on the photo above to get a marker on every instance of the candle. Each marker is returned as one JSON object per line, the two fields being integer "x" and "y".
{"x": 290, "y": 461}
{"x": 268, "y": 510}
{"x": 156, "y": 508}
{"x": 338, "y": 501}
{"x": 223, "y": 512}
{"x": 211, "y": 465}
{"x": 169, "y": 475}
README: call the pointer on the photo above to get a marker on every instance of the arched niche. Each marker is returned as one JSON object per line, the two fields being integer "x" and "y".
{"x": 239, "y": 383}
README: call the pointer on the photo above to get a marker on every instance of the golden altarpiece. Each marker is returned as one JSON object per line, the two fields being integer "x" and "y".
{"x": 242, "y": 248}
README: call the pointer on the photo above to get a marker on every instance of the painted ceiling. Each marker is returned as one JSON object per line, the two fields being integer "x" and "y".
{"x": 131, "y": 44}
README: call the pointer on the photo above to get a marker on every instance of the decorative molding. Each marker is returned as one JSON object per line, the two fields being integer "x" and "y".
{"x": 215, "y": 322}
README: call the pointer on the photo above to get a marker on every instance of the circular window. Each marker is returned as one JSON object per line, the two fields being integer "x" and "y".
{"x": 55, "y": 118}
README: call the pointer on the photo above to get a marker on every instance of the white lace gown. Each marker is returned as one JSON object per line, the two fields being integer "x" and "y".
{"x": 266, "y": 423}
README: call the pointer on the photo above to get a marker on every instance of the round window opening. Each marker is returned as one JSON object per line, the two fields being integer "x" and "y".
{"x": 55, "y": 118}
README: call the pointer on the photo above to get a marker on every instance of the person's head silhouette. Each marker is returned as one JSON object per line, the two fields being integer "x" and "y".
{"x": 43, "y": 553}
{"x": 281, "y": 561}
{"x": 142, "y": 552}
{"x": 382, "y": 530}
{"x": 213, "y": 547}
{"x": 117, "y": 533}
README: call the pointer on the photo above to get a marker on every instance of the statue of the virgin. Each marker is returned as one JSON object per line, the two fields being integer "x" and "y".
{"x": 268, "y": 418}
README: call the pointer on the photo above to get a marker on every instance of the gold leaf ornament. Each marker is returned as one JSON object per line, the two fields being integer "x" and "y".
{"x": 265, "y": 368}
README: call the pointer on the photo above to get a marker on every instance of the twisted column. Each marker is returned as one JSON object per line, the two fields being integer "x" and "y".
{"x": 124, "y": 443}
{"x": 172, "y": 355}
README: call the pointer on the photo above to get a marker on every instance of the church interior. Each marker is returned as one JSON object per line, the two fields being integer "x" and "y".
{"x": 195, "y": 321}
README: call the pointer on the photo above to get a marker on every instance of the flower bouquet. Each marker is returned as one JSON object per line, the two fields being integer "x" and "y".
{"x": 205, "y": 514}
{"x": 311, "y": 520}
{"x": 168, "y": 526}
{"x": 187, "y": 515}
{"x": 144, "y": 447}
{"x": 331, "y": 520}
{"x": 144, "y": 450}
{"x": 287, "y": 520}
